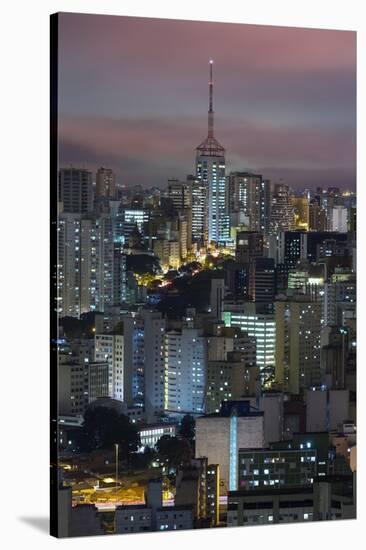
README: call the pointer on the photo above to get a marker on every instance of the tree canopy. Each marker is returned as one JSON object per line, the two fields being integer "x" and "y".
{"x": 103, "y": 427}
{"x": 187, "y": 428}
{"x": 173, "y": 450}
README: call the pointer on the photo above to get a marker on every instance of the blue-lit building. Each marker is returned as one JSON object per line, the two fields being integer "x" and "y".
{"x": 210, "y": 168}
{"x": 219, "y": 437}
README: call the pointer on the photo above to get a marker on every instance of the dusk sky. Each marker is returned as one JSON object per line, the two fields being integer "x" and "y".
{"x": 133, "y": 96}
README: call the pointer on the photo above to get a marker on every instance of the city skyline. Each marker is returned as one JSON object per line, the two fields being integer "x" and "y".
{"x": 204, "y": 330}
{"x": 286, "y": 112}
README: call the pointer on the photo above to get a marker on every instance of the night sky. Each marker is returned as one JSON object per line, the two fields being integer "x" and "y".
{"x": 133, "y": 96}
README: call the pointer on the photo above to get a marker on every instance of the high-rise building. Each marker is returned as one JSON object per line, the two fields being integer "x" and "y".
{"x": 210, "y": 169}
{"x": 287, "y": 248}
{"x": 298, "y": 328}
{"x": 86, "y": 270}
{"x": 154, "y": 364}
{"x": 262, "y": 280}
{"x": 197, "y": 485}
{"x": 219, "y": 437}
{"x": 326, "y": 410}
{"x": 334, "y": 356}
{"x": 338, "y": 219}
{"x": 180, "y": 193}
{"x": 317, "y": 216}
{"x": 185, "y": 371}
{"x": 134, "y": 355}
{"x": 282, "y": 210}
{"x": 260, "y": 326}
{"x": 119, "y": 274}
{"x": 109, "y": 348}
{"x": 249, "y": 245}
{"x": 352, "y": 219}
{"x": 276, "y": 468}
{"x": 229, "y": 380}
{"x": 301, "y": 212}
{"x": 77, "y": 265}
{"x": 250, "y": 196}
{"x": 339, "y": 295}
{"x": 237, "y": 279}
{"x": 217, "y": 296}
{"x": 105, "y": 183}
{"x": 75, "y": 190}
{"x": 199, "y": 211}
{"x": 269, "y": 506}
{"x": 79, "y": 384}
{"x": 134, "y": 218}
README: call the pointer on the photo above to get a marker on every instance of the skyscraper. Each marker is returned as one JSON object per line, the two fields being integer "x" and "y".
{"x": 109, "y": 348}
{"x": 258, "y": 325}
{"x": 199, "y": 211}
{"x": 210, "y": 168}
{"x": 250, "y": 195}
{"x": 75, "y": 190}
{"x": 282, "y": 210}
{"x": 106, "y": 183}
{"x": 298, "y": 326}
{"x": 185, "y": 371}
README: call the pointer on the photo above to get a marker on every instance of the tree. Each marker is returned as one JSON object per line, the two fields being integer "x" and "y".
{"x": 173, "y": 450}
{"x": 103, "y": 427}
{"x": 187, "y": 428}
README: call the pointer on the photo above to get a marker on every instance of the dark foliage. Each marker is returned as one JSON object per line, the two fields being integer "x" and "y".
{"x": 174, "y": 451}
{"x": 103, "y": 427}
{"x": 187, "y": 428}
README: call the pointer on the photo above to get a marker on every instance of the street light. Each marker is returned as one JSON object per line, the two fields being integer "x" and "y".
{"x": 116, "y": 448}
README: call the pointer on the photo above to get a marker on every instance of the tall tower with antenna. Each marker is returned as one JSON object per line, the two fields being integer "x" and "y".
{"x": 210, "y": 169}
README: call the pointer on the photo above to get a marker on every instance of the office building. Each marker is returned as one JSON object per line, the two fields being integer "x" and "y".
{"x": 338, "y": 219}
{"x": 301, "y": 213}
{"x": 75, "y": 191}
{"x": 326, "y": 410}
{"x": 220, "y": 436}
{"x": 272, "y": 404}
{"x": 269, "y": 506}
{"x": 105, "y": 184}
{"x": 338, "y": 296}
{"x": 185, "y": 371}
{"x": 282, "y": 210}
{"x": 249, "y": 245}
{"x": 298, "y": 326}
{"x": 217, "y": 296}
{"x": 109, "y": 348}
{"x": 262, "y": 280}
{"x": 276, "y": 469}
{"x": 210, "y": 169}
{"x": 229, "y": 380}
{"x": 154, "y": 364}
{"x": 261, "y": 326}
{"x": 86, "y": 269}
{"x": 80, "y": 384}
{"x": 152, "y": 516}
{"x": 250, "y": 197}
{"x": 199, "y": 211}
{"x": 180, "y": 193}
{"x": 151, "y": 433}
{"x": 317, "y": 216}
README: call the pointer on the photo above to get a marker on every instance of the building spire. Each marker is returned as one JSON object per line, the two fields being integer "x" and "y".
{"x": 210, "y": 110}
{"x": 210, "y": 147}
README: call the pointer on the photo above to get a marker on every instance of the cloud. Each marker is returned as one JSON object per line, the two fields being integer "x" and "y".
{"x": 133, "y": 94}
{"x": 149, "y": 151}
